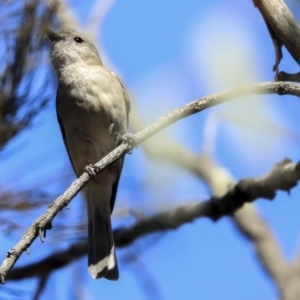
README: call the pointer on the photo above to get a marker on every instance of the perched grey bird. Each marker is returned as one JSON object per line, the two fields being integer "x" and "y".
{"x": 92, "y": 110}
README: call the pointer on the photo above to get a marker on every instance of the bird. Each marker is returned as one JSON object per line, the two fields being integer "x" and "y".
{"x": 92, "y": 110}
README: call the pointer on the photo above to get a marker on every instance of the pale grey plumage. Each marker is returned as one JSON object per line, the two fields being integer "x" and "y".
{"x": 92, "y": 109}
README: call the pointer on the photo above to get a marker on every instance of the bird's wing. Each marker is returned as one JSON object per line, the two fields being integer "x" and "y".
{"x": 115, "y": 186}
{"x": 127, "y": 104}
{"x": 126, "y": 97}
{"x": 62, "y": 130}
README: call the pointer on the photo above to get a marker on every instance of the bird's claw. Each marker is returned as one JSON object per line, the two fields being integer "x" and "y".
{"x": 92, "y": 170}
{"x": 130, "y": 139}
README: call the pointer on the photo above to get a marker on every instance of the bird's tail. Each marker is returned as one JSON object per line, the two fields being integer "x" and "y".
{"x": 101, "y": 250}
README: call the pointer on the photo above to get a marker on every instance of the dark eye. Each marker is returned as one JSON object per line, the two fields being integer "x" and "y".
{"x": 78, "y": 40}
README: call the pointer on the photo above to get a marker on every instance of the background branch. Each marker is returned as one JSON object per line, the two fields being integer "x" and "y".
{"x": 283, "y": 176}
{"x": 284, "y": 31}
{"x": 44, "y": 222}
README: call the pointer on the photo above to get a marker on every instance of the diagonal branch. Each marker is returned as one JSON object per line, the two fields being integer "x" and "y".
{"x": 283, "y": 176}
{"x": 44, "y": 221}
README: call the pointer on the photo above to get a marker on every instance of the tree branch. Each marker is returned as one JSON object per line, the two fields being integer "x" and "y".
{"x": 283, "y": 176}
{"x": 284, "y": 31}
{"x": 281, "y": 20}
{"x": 269, "y": 254}
{"x": 44, "y": 221}
{"x": 47, "y": 265}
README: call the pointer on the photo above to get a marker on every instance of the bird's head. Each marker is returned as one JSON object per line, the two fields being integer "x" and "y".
{"x": 68, "y": 46}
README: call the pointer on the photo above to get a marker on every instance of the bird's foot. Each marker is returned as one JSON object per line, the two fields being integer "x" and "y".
{"x": 130, "y": 139}
{"x": 92, "y": 170}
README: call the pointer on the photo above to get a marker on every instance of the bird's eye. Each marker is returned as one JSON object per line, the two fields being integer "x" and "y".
{"x": 78, "y": 40}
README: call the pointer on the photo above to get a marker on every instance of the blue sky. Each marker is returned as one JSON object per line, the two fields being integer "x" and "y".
{"x": 169, "y": 53}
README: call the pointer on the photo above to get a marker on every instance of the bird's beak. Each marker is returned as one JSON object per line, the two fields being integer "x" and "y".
{"x": 52, "y": 36}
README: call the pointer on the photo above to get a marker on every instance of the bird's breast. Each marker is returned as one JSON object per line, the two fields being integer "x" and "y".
{"x": 93, "y": 114}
